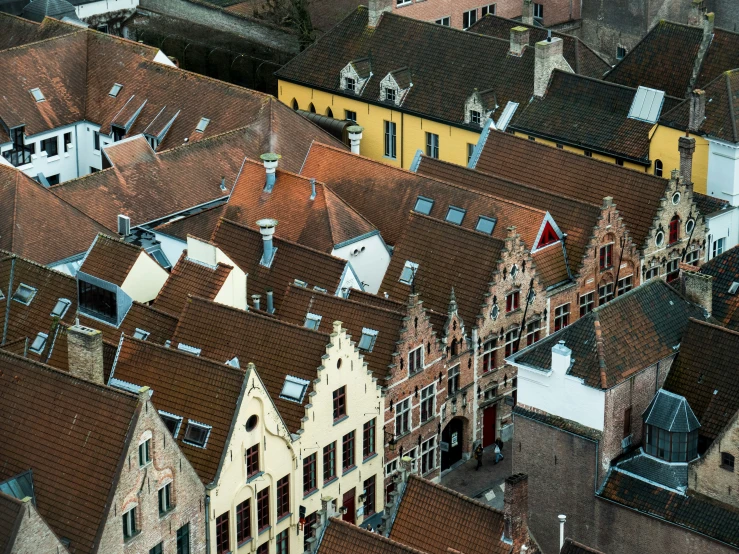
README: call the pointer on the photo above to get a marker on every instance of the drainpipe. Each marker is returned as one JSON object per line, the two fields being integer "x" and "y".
{"x": 562, "y": 519}
{"x": 207, "y": 523}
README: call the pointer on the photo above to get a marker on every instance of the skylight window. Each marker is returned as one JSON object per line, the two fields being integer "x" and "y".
{"x": 423, "y": 205}
{"x": 24, "y": 294}
{"x": 486, "y": 224}
{"x": 300, "y": 283}
{"x": 409, "y": 272}
{"x": 197, "y": 434}
{"x": 38, "y": 96}
{"x": 455, "y": 215}
{"x": 202, "y": 125}
{"x": 734, "y": 287}
{"x": 60, "y": 308}
{"x": 294, "y": 389}
{"x": 319, "y": 289}
{"x": 187, "y": 348}
{"x": 141, "y": 334}
{"x": 2, "y": 296}
{"x": 234, "y": 362}
{"x": 115, "y": 90}
{"x": 38, "y": 343}
{"x": 173, "y": 422}
{"x": 367, "y": 342}
{"x": 312, "y": 321}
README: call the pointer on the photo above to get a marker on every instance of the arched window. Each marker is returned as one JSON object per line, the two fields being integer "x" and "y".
{"x": 674, "y": 229}
{"x": 295, "y": 104}
{"x": 311, "y": 108}
{"x": 455, "y": 347}
{"x": 329, "y": 113}
{"x": 658, "y": 168}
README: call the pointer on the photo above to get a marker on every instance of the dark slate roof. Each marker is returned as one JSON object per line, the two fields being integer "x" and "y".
{"x": 572, "y": 547}
{"x": 590, "y": 114}
{"x": 725, "y": 270}
{"x": 439, "y": 54}
{"x": 628, "y": 334}
{"x": 671, "y": 475}
{"x": 709, "y": 205}
{"x": 582, "y": 59}
{"x": 18, "y": 31}
{"x": 706, "y": 377}
{"x": 36, "y": 10}
{"x": 693, "y": 512}
{"x": 560, "y": 423}
{"x": 671, "y": 412}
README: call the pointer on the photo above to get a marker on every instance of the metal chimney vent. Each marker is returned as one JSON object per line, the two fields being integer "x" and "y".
{"x": 124, "y": 225}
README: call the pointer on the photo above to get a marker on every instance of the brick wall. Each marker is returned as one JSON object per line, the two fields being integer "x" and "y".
{"x": 710, "y": 476}
{"x": 34, "y": 536}
{"x": 139, "y": 486}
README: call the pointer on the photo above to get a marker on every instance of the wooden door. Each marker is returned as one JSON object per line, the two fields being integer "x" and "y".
{"x": 349, "y": 505}
{"x": 489, "y": 417}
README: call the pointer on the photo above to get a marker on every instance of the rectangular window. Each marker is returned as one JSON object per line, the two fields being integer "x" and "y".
{"x": 625, "y": 284}
{"x": 673, "y": 270}
{"x": 183, "y": 539}
{"x": 533, "y": 332}
{"x": 368, "y": 438}
{"x": 350, "y": 115}
{"x": 119, "y": 133}
{"x": 347, "y": 451}
{"x": 158, "y": 549}
{"x": 475, "y": 117}
{"x": 727, "y": 461}
{"x": 263, "y": 548}
{"x": 197, "y": 434}
{"x": 432, "y": 145}
{"x": 339, "y": 403}
{"x": 252, "y": 461}
{"x": 309, "y": 473}
{"x": 423, "y": 205}
{"x": 50, "y": 146}
{"x": 97, "y": 301}
{"x": 145, "y": 453}
{"x": 605, "y": 293}
{"x": 243, "y": 521}
{"x": 470, "y": 152}
{"x": 674, "y": 230}
{"x": 408, "y": 273}
{"x": 390, "y": 139}
{"x": 428, "y": 455}
{"x": 512, "y": 301}
{"x": 390, "y": 94}
{"x": 282, "y": 543}
{"x": 651, "y": 273}
{"x": 165, "y": 499}
{"x": 488, "y": 355}
{"x": 308, "y": 531}
{"x": 511, "y": 342}
{"x": 367, "y": 342}
{"x": 67, "y": 141}
{"x": 452, "y": 382}
{"x": 351, "y": 84}
{"x": 96, "y": 141}
{"x": 718, "y": 247}
{"x": 587, "y": 302}
{"x": 413, "y": 455}
{"x": 692, "y": 257}
{"x": 329, "y": 462}
{"x": 172, "y": 422}
{"x": 561, "y": 316}
{"x": 428, "y": 404}
{"x": 445, "y": 21}
{"x": 588, "y": 153}
{"x": 489, "y": 9}
{"x": 402, "y": 417}
{"x": 369, "y": 496}
{"x": 455, "y": 215}
{"x": 283, "y": 497}
{"x": 469, "y": 19}
{"x": 620, "y": 161}
{"x": 627, "y": 422}
{"x": 263, "y": 506}
{"x": 415, "y": 360}
{"x": 606, "y": 256}
{"x": 539, "y": 11}
{"x": 129, "y": 524}
{"x": 222, "y": 534}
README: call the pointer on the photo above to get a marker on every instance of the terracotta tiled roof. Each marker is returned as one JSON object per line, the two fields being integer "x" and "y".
{"x": 587, "y": 113}
{"x": 291, "y": 261}
{"x": 468, "y": 526}
{"x": 448, "y": 257}
{"x": 59, "y": 356}
{"x": 188, "y": 386}
{"x": 200, "y": 225}
{"x": 385, "y": 195}
{"x": 440, "y": 54}
{"x": 705, "y": 376}
{"x": 693, "y": 512}
{"x": 110, "y": 259}
{"x": 276, "y": 348}
{"x": 572, "y": 547}
{"x": 159, "y": 324}
{"x": 376, "y": 301}
{"x": 355, "y": 317}
{"x": 341, "y": 537}
{"x": 725, "y": 270}
{"x": 190, "y": 278}
{"x": 36, "y": 224}
{"x": 581, "y": 58}
{"x": 551, "y": 265}
{"x": 72, "y": 434}
{"x": 18, "y": 30}
{"x": 626, "y": 335}
{"x": 637, "y": 195}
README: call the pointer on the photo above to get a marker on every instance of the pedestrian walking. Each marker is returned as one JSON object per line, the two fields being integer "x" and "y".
{"x": 498, "y": 453}
{"x": 478, "y": 456}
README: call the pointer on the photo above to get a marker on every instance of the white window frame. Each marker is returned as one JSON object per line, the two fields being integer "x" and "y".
{"x": 145, "y": 454}
{"x": 469, "y": 18}
{"x": 130, "y": 528}
{"x": 141, "y": 334}
{"x": 347, "y": 113}
{"x": 391, "y": 144}
{"x": 39, "y": 343}
{"x": 351, "y": 84}
{"x": 538, "y": 11}
{"x": 605, "y": 293}
{"x": 651, "y": 273}
{"x": 588, "y": 296}
{"x": 432, "y": 145}
{"x": 391, "y": 95}
{"x": 32, "y": 291}
{"x": 428, "y": 455}
{"x": 391, "y": 467}
{"x": 718, "y": 247}
{"x": 294, "y": 381}
{"x": 559, "y": 312}
{"x": 65, "y": 302}
{"x": 623, "y": 286}
{"x": 189, "y": 349}
{"x": 166, "y": 415}
{"x": 488, "y": 9}
{"x": 414, "y": 269}
{"x": 445, "y": 21}
{"x": 208, "y": 429}
{"x": 403, "y": 409}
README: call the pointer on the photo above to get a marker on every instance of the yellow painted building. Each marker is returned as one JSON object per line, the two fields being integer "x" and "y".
{"x": 663, "y": 151}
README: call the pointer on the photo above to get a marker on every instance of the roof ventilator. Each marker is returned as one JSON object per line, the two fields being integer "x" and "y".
{"x": 270, "y": 166}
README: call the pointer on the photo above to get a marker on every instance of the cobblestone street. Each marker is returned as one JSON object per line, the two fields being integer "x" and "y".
{"x": 486, "y": 484}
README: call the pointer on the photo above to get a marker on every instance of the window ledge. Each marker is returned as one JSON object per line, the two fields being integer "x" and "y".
{"x": 398, "y": 437}
{"x": 368, "y": 458}
{"x": 513, "y": 312}
{"x": 342, "y": 418}
{"x": 264, "y": 530}
{"x": 132, "y": 537}
{"x": 330, "y": 481}
{"x": 284, "y": 517}
{"x": 727, "y": 468}
{"x": 348, "y": 470}
{"x": 247, "y": 540}
{"x": 251, "y": 478}
{"x": 311, "y": 492}
{"x": 53, "y": 158}
{"x": 165, "y": 514}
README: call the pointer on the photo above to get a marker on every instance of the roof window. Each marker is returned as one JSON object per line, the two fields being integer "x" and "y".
{"x": 38, "y": 96}
{"x": 234, "y": 362}
{"x": 486, "y": 224}
{"x": 38, "y": 343}
{"x": 312, "y": 321}
{"x": 197, "y": 434}
{"x": 2, "y": 296}
{"x": 190, "y": 349}
{"x": 423, "y": 205}
{"x": 60, "y": 308}
{"x": 294, "y": 389}
{"x": 409, "y": 272}
{"x": 734, "y": 287}
{"x": 173, "y": 422}
{"x": 367, "y": 342}
{"x": 141, "y": 334}
{"x": 202, "y": 124}
{"x": 455, "y": 215}
{"x": 299, "y": 283}
{"x": 24, "y": 294}
{"x": 319, "y": 289}
{"x": 115, "y": 90}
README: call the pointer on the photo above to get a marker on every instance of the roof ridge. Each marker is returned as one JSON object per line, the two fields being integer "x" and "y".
{"x": 11, "y": 255}
{"x": 340, "y": 299}
{"x": 455, "y": 493}
{"x": 37, "y": 42}
{"x": 376, "y": 536}
{"x": 120, "y": 241}
{"x": 600, "y": 347}
{"x": 715, "y": 326}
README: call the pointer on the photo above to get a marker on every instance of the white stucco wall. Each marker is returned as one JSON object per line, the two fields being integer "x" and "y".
{"x": 145, "y": 279}
{"x": 723, "y": 225}
{"x": 723, "y": 171}
{"x": 104, "y": 6}
{"x": 369, "y": 258}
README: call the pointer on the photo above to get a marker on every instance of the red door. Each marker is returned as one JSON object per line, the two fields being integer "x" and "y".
{"x": 349, "y": 505}
{"x": 488, "y": 425}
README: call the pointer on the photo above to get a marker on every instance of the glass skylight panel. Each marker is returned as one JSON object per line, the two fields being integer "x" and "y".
{"x": 38, "y": 96}
{"x": 455, "y": 215}
{"x": 300, "y": 283}
{"x": 294, "y": 389}
{"x": 38, "y": 343}
{"x": 141, "y": 334}
{"x": 423, "y": 205}
{"x": 367, "y": 342}
{"x": 486, "y": 225}
{"x": 60, "y": 308}
{"x": 197, "y": 434}
{"x": 187, "y": 348}
{"x": 24, "y": 294}
{"x": 202, "y": 125}
{"x": 312, "y": 321}
{"x": 115, "y": 90}
{"x": 408, "y": 273}
{"x": 734, "y": 287}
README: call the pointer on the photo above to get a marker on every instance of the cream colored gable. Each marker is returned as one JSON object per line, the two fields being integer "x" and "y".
{"x": 145, "y": 279}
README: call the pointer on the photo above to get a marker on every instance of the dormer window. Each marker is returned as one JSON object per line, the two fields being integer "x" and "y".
{"x": 367, "y": 342}
{"x": 98, "y": 302}
{"x": 408, "y": 273}
{"x": 115, "y": 90}
{"x": 294, "y": 389}
{"x": 475, "y": 117}
{"x": 312, "y": 321}
{"x": 197, "y": 434}
{"x": 395, "y": 86}
{"x": 351, "y": 84}
{"x": 479, "y": 106}
{"x": 118, "y": 133}
{"x": 38, "y": 96}
{"x": 671, "y": 428}
{"x": 390, "y": 94}
{"x": 202, "y": 124}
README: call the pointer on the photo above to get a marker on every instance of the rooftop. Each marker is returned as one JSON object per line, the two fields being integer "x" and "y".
{"x": 341, "y": 537}
{"x": 725, "y": 302}
{"x": 110, "y": 259}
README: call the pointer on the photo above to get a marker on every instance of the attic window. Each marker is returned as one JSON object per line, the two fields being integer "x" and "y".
{"x": 299, "y": 283}
{"x": 408, "y": 273}
{"x": 38, "y": 343}
{"x": 141, "y": 334}
{"x": 423, "y": 205}
{"x": 37, "y": 94}
{"x": 486, "y": 224}
{"x": 475, "y": 117}
{"x": 294, "y": 389}
{"x": 734, "y": 287}
{"x": 351, "y": 84}
{"x": 202, "y": 125}
{"x": 173, "y": 422}
{"x": 319, "y": 289}
{"x": 60, "y": 308}
{"x": 312, "y": 321}
{"x": 24, "y": 294}
{"x": 115, "y": 90}
{"x": 390, "y": 94}
{"x": 367, "y": 342}
{"x": 455, "y": 215}
{"x": 197, "y": 434}
{"x": 189, "y": 349}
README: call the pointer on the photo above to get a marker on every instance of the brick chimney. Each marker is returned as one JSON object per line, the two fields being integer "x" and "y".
{"x": 548, "y": 58}
{"x": 376, "y": 8}
{"x": 695, "y": 17}
{"x": 527, "y": 16}
{"x": 697, "y": 110}
{"x": 686, "y": 147}
{"x": 519, "y": 40}
{"x": 516, "y": 510}
{"x": 85, "y": 352}
{"x": 696, "y": 286}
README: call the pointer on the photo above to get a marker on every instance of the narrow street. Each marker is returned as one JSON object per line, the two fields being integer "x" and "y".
{"x": 485, "y": 484}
